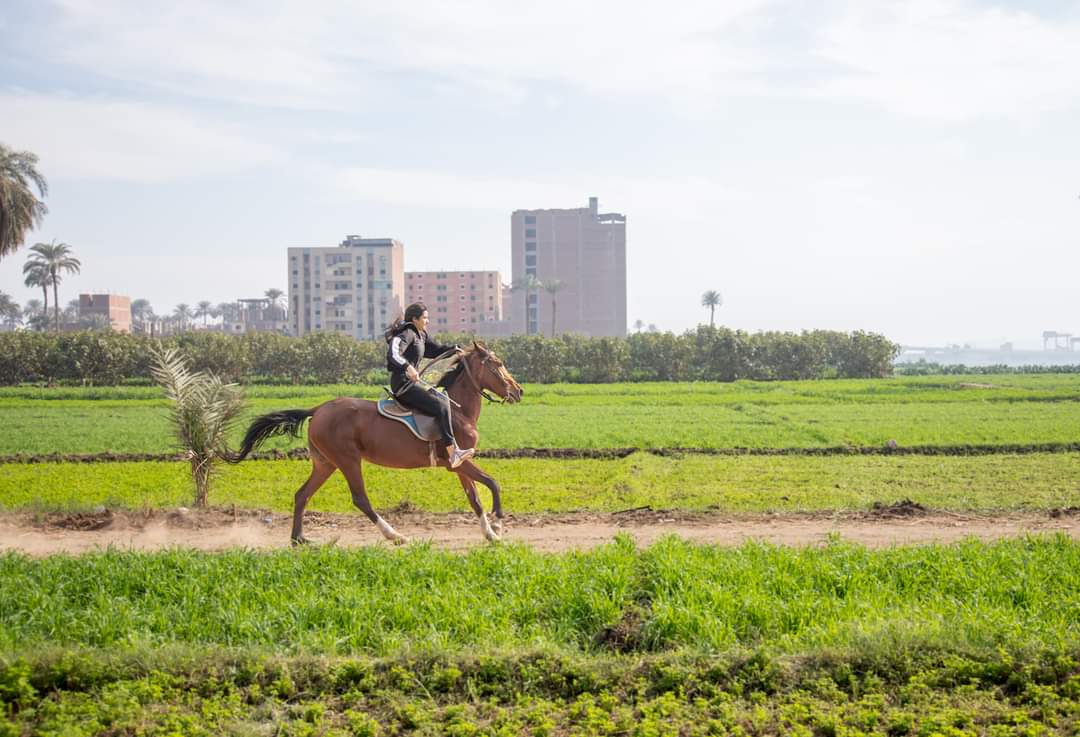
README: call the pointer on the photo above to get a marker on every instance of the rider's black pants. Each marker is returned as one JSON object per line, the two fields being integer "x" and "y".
{"x": 429, "y": 402}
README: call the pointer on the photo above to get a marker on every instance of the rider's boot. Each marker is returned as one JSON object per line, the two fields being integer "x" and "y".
{"x": 459, "y": 455}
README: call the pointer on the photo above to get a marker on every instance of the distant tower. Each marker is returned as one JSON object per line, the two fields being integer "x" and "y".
{"x": 586, "y": 251}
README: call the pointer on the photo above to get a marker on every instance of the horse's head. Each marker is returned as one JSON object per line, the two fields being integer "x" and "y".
{"x": 490, "y": 374}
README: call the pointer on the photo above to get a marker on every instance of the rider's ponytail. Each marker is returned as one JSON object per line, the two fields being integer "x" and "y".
{"x": 413, "y": 311}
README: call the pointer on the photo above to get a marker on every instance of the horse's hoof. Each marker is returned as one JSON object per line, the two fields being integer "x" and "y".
{"x": 297, "y": 541}
{"x": 400, "y": 540}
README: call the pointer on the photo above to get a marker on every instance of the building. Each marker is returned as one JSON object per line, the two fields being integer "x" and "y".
{"x": 357, "y": 287}
{"x": 260, "y": 314}
{"x": 115, "y": 308}
{"x": 457, "y": 301}
{"x": 584, "y": 251}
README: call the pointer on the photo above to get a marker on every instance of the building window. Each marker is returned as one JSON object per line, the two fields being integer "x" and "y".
{"x": 530, "y": 232}
{"x": 530, "y": 220}
{"x": 530, "y": 271}
{"x": 530, "y": 259}
{"x": 530, "y": 246}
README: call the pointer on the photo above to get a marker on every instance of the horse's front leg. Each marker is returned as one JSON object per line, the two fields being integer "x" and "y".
{"x": 470, "y": 470}
{"x": 474, "y": 501}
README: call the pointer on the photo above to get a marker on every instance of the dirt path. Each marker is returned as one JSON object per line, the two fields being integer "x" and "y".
{"x": 217, "y": 529}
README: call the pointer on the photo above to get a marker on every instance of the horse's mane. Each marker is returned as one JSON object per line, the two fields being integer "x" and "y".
{"x": 452, "y": 375}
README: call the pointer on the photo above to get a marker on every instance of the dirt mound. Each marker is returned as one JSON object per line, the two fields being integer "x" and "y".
{"x": 905, "y": 508}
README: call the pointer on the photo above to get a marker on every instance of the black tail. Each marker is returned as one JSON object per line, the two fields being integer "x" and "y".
{"x": 285, "y": 422}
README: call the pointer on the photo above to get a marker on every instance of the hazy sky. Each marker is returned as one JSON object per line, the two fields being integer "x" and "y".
{"x": 908, "y": 167}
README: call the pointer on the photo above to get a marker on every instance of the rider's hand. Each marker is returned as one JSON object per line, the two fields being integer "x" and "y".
{"x": 411, "y": 373}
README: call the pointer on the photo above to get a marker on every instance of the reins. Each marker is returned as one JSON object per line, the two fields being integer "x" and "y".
{"x": 472, "y": 379}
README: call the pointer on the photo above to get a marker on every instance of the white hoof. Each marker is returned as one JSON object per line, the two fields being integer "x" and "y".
{"x": 486, "y": 528}
{"x": 390, "y": 533}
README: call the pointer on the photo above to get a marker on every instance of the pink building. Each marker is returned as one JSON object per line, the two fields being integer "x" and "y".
{"x": 457, "y": 301}
{"x": 116, "y": 308}
{"x": 584, "y": 252}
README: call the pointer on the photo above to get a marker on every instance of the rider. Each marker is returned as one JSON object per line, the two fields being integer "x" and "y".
{"x": 409, "y": 342}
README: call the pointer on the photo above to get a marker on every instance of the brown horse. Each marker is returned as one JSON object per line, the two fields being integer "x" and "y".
{"x": 346, "y": 431}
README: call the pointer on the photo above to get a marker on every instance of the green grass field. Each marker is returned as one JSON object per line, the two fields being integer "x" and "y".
{"x": 730, "y": 483}
{"x": 677, "y": 638}
{"x": 674, "y": 639}
{"x": 942, "y": 411}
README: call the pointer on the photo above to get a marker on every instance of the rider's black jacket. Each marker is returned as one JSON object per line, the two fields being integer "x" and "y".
{"x": 407, "y": 346}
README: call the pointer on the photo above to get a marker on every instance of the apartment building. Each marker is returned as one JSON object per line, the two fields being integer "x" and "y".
{"x": 584, "y": 252}
{"x": 457, "y": 301}
{"x": 356, "y": 288}
{"x": 115, "y": 308}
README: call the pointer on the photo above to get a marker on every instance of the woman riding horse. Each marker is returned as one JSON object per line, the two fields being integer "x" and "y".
{"x": 408, "y": 343}
{"x": 345, "y": 432}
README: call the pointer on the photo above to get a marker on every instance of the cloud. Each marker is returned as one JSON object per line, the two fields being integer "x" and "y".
{"x": 294, "y": 53}
{"x": 685, "y": 198}
{"x": 944, "y": 59}
{"x": 78, "y": 137}
{"x": 951, "y": 60}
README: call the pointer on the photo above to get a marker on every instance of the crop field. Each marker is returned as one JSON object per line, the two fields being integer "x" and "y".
{"x": 975, "y": 637}
{"x": 913, "y": 412}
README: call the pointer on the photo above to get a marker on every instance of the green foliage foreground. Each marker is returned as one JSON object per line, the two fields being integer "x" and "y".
{"x": 963, "y": 639}
{"x": 672, "y": 595}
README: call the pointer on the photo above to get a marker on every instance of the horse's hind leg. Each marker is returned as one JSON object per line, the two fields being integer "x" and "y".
{"x": 321, "y": 469}
{"x": 360, "y": 499}
{"x": 474, "y": 501}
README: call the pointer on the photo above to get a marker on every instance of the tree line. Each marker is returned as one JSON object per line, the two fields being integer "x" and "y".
{"x": 704, "y": 354}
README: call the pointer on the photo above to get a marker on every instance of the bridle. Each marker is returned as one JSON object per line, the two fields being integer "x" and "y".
{"x": 476, "y": 384}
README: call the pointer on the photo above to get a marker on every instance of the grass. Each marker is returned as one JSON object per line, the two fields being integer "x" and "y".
{"x": 215, "y": 693}
{"x": 911, "y": 411}
{"x": 731, "y": 483}
{"x": 674, "y": 595}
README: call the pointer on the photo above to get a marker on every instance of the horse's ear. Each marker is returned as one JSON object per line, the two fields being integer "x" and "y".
{"x": 476, "y": 346}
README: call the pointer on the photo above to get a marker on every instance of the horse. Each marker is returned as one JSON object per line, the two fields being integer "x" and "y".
{"x": 346, "y": 431}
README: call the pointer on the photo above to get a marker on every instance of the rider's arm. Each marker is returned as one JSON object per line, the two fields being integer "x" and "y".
{"x": 434, "y": 350}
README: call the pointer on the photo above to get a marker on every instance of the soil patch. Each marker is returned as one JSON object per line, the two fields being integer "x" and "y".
{"x": 220, "y": 528}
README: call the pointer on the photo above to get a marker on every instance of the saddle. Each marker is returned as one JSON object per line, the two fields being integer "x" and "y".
{"x": 423, "y": 426}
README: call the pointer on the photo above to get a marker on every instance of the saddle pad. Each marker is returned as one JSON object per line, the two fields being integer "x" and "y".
{"x": 422, "y": 426}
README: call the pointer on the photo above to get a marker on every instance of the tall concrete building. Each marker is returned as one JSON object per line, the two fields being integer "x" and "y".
{"x": 357, "y": 287}
{"x": 457, "y": 301}
{"x": 585, "y": 250}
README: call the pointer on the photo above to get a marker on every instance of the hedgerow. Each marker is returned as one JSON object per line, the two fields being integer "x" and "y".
{"x": 705, "y": 354}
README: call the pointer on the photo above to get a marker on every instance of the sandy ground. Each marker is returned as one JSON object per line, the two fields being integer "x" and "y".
{"x": 218, "y": 529}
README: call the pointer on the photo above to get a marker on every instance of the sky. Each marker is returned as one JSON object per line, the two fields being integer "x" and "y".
{"x": 909, "y": 168}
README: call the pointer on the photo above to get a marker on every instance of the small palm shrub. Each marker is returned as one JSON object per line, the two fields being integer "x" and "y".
{"x": 204, "y": 409}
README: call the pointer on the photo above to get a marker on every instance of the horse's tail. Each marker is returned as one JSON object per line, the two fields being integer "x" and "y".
{"x": 285, "y": 422}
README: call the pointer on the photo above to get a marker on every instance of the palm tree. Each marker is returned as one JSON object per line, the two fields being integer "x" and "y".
{"x": 37, "y": 275}
{"x": 36, "y": 315}
{"x": 528, "y": 284}
{"x": 228, "y": 311}
{"x": 203, "y": 411}
{"x": 638, "y": 325}
{"x": 71, "y": 312}
{"x": 274, "y": 295}
{"x": 203, "y": 310}
{"x": 140, "y": 308}
{"x": 553, "y": 287}
{"x": 54, "y": 257}
{"x": 10, "y": 312}
{"x": 183, "y": 313}
{"x": 712, "y": 300}
{"x": 20, "y": 210}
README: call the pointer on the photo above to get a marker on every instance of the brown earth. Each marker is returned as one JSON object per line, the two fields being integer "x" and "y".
{"x": 217, "y": 528}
